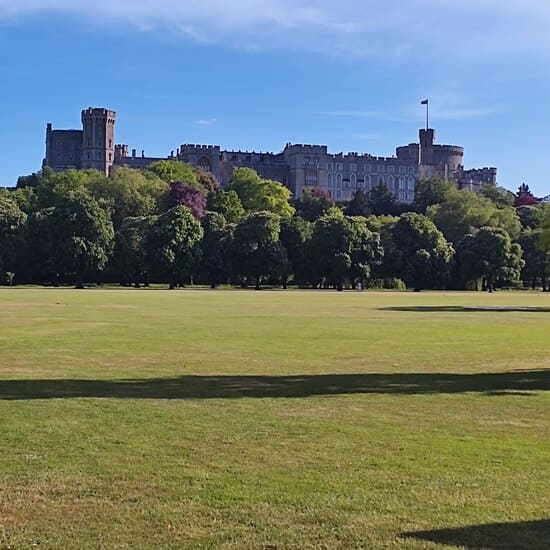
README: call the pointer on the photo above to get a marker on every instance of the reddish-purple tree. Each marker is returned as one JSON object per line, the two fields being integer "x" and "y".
{"x": 183, "y": 194}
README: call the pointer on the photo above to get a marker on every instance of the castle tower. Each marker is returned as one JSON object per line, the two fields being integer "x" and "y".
{"x": 98, "y": 144}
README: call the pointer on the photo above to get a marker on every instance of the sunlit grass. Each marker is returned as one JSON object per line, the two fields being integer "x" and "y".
{"x": 185, "y": 419}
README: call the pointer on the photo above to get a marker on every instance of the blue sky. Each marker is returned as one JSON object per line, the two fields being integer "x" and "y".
{"x": 256, "y": 74}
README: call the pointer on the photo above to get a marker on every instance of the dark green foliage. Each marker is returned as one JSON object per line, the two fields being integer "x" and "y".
{"x": 214, "y": 256}
{"x": 430, "y": 191}
{"x": 491, "y": 255}
{"x": 420, "y": 254}
{"x": 536, "y": 270}
{"x": 499, "y": 196}
{"x": 172, "y": 244}
{"x": 257, "y": 251}
{"x": 295, "y": 233}
{"x": 130, "y": 257}
{"x": 74, "y": 237}
{"x": 313, "y": 204}
{"x": 381, "y": 201}
{"x": 360, "y": 204}
{"x": 12, "y": 223}
{"x": 342, "y": 249}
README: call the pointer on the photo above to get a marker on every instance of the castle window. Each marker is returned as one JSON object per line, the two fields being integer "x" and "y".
{"x": 390, "y": 182}
{"x": 338, "y": 180}
{"x": 110, "y": 144}
{"x": 329, "y": 180}
{"x": 402, "y": 183}
{"x": 391, "y": 169}
{"x": 367, "y": 167}
{"x": 204, "y": 164}
{"x": 411, "y": 169}
{"x": 367, "y": 182}
{"x": 110, "y": 156}
{"x": 410, "y": 183}
{"x": 353, "y": 167}
{"x": 402, "y": 169}
{"x": 329, "y": 166}
{"x": 353, "y": 181}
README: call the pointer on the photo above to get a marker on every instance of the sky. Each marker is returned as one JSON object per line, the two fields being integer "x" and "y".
{"x": 256, "y": 74}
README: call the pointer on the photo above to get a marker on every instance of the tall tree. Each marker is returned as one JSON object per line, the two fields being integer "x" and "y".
{"x": 261, "y": 195}
{"x": 313, "y": 203}
{"x": 295, "y": 232}
{"x": 536, "y": 270}
{"x": 421, "y": 255}
{"x": 499, "y": 196}
{"x": 130, "y": 257}
{"x": 342, "y": 249}
{"x": 382, "y": 201}
{"x": 257, "y": 250}
{"x": 227, "y": 203}
{"x": 173, "y": 170}
{"x": 464, "y": 212}
{"x": 491, "y": 255}
{"x": 173, "y": 244}
{"x": 431, "y": 191}
{"x": 12, "y": 222}
{"x": 128, "y": 194}
{"x": 359, "y": 205}
{"x": 216, "y": 240}
{"x": 76, "y": 235}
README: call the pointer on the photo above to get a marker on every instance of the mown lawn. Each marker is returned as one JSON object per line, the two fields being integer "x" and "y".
{"x": 275, "y": 420}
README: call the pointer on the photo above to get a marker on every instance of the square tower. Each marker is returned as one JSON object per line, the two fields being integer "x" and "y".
{"x": 98, "y": 143}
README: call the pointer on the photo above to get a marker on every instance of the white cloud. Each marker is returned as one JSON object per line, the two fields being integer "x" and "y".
{"x": 205, "y": 121}
{"x": 417, "y": 29}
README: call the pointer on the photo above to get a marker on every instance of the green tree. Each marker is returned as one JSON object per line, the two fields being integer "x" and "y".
{"x": 464, "y": 212}
{"x": 173, "y": 244}
{"x": 421, "y": 255}
{"x": 130, "y": 257}
{"x": 295, "y": 233}
{"x": 12, "y": 223}
{"x": 431, "y": 191}
{"x": 545, "y": 233}
{"x": 173, "y": 170}
{"x": 536, "y": 270}
{"x": 342, "y": 249}
{"x": 76, "y": 236}
{"x": 217, "y": 236}
{"x": 257, "y": 251}
{"x": 499, "y": 196}
{"x": 207, "y": 180}
{"x": 491, "y": 255}
{"x": 128, "y": 194}
{"x": 313, "y": 204}
{"x": 359, "y": 205}
{"x": 382, "y": 201}
{"x": 261, "y": 195}
{"x": 226, "y": 203}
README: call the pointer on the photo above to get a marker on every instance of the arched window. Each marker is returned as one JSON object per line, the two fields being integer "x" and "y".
{"x": 329, "y": 180}
{"x": 353, "y": 181}
{"x": 390, "y": 182}
{"x": 402, "y": 183}
{"x": 338, "y": 180}
{"x": 367, "y": 182}
{"x": 204, "y": 164}
{"x": 410, "y": 183}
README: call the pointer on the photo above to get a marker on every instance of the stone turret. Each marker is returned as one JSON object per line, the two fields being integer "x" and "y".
{"x": 98, "y": 147}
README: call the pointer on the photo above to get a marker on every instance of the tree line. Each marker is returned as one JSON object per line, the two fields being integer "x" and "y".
{"x": 171, "y": 223}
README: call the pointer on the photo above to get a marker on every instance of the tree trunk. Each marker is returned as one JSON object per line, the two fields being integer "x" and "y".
{"x": 257, "y": 287}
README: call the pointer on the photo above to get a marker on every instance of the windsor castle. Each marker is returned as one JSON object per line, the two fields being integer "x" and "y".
{"x": 298, "y": 166}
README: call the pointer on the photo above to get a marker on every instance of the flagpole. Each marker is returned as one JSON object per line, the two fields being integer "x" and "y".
{"x": 427, "y": 114}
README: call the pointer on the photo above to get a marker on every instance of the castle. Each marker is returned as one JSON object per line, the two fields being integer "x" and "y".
{"x": 298, "y": 166}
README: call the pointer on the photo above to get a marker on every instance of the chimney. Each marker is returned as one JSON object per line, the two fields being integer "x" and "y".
{"x": 133, "y": 153}
{"x": 143, "y": 153}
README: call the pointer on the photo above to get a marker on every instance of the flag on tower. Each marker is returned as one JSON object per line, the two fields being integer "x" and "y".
{"x": 425, "y": 102}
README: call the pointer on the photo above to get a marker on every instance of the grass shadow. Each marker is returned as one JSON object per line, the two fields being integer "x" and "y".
{"x": 521, "y": 535}
{"x": 468, "y": 309}
{"x": 234, "y": 387}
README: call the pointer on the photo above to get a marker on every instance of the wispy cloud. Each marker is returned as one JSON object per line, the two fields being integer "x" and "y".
{"x": 394, "y": 29}
{"x": 205, "y": 122}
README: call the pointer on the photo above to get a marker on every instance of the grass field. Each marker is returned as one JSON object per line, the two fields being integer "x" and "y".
{"x": 274, "y": 420}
